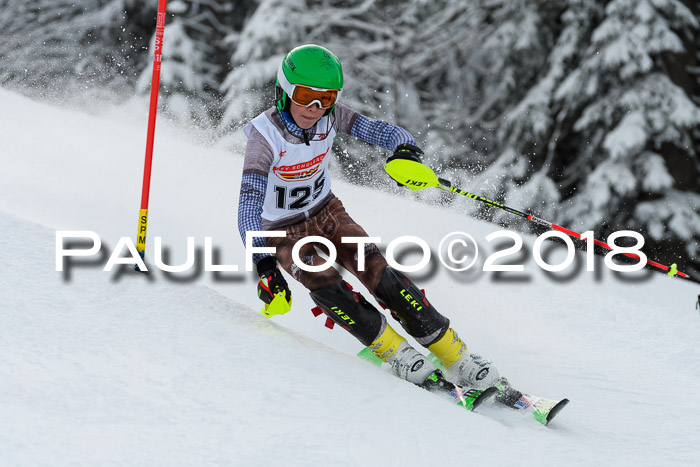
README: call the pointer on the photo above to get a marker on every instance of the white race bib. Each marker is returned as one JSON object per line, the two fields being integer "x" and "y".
{"x": 298, "y": 177}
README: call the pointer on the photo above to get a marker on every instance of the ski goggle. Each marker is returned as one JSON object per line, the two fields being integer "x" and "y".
{"x": 306, "y": 96}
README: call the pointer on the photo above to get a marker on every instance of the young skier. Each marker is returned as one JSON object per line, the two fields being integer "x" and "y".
{"x": 286, "y": 187}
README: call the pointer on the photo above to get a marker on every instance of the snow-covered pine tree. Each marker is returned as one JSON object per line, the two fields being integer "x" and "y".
{"x": 447, "y": 64}
{"x": 590, "y": 129}
{"x": 506, "y": 117}
{"x": 693, "y": 69}
{"x": 624, "y": 163}
{"x": 58, "y": 47}
{"x": 461, "y": 67}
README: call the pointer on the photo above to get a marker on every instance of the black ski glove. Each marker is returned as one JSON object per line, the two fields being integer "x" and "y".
{"x": 406, "y": 151}
{"x": 271, "y": 280}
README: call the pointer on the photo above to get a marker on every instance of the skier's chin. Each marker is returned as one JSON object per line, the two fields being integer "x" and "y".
{"x": 306, "y": 123}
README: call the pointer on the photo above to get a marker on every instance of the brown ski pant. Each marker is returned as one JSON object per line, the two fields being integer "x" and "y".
{"x": 334, "y": 223}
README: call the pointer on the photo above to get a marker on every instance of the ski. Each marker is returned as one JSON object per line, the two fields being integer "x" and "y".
{"x": 543, "y": 410}
{"x": 469, "y": 398}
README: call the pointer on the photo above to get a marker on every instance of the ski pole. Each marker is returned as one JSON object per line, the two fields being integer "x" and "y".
{"x": 417, "y": 177}
{"x": 152, "y": 111}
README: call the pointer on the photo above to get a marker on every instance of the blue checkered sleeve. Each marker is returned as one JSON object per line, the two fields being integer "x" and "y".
{"x": 250, "y": 206}
{"x": 380, "y": 133}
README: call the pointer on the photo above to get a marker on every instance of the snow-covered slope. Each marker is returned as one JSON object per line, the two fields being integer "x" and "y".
{"x": 99, "y": 368}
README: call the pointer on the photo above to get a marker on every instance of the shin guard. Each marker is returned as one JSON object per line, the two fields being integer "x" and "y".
{"x": 409, "y": 305}
{"x": 350, "y": 311}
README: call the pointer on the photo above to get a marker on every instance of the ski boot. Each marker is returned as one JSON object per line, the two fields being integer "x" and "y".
{"x": 475, "y": 371}
{"x": 463, "y": 368}
{"x": 472, "y": 370}
{"x": 409, "y": 364}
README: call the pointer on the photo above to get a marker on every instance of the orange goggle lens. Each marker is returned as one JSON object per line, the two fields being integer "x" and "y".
{"x": 305, "y": 96}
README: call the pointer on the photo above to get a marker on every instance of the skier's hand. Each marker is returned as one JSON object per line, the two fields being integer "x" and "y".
{"x": 408, "y": 152}
{"x": 271, "y": 280}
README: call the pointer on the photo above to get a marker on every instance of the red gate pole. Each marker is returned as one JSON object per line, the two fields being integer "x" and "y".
{"x": 153, "y": 109}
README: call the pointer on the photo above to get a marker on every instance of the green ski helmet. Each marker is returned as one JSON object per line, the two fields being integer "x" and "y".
{"x": 312, "y": 66}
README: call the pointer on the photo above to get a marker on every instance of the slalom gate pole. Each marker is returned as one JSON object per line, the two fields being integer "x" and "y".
{"x": 417, "y": 176}
{"x": 153, "y": 110}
